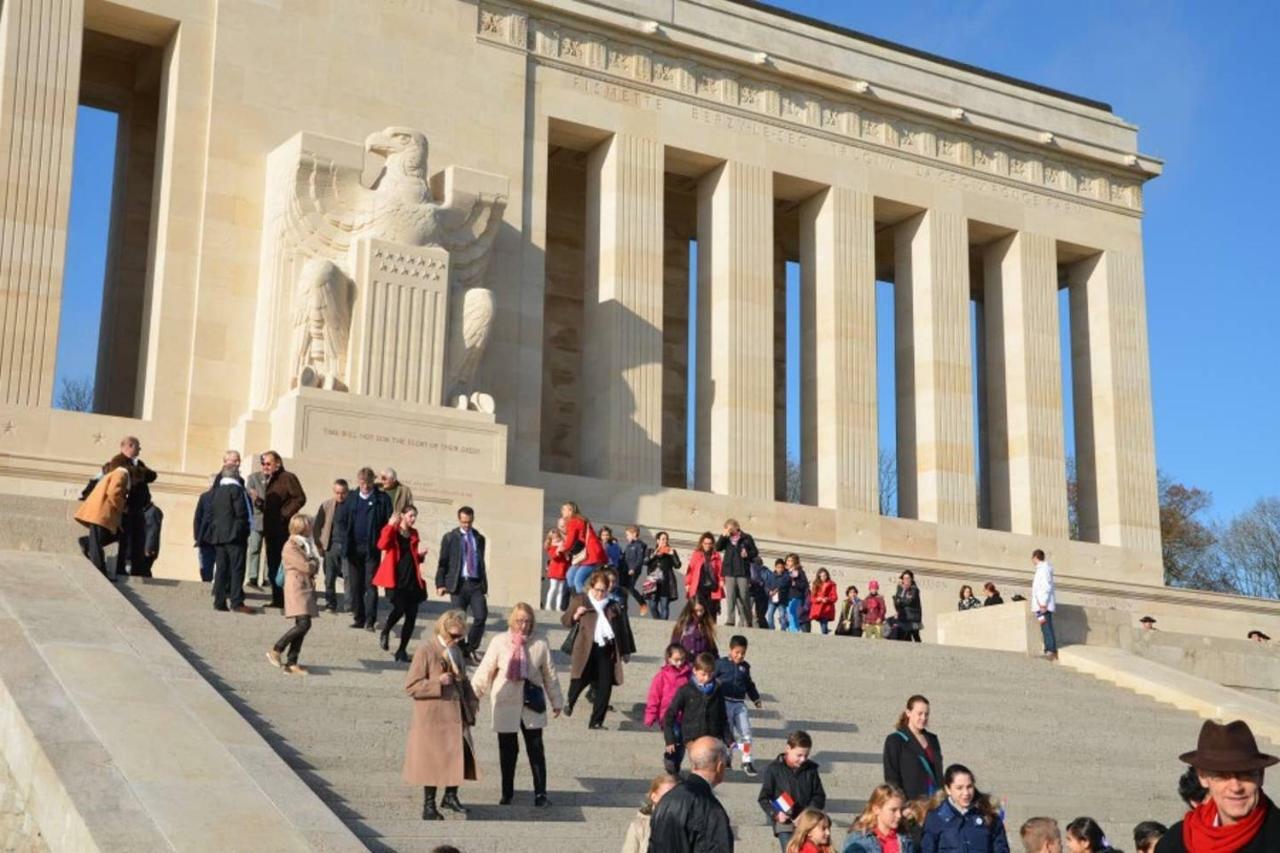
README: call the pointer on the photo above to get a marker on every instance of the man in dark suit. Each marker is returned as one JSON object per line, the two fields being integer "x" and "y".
{"x": 367, "y": 510}
{"x": 461, "y": 574}
{"x": 227, "y": 530}
{"x": 133, "y": 524}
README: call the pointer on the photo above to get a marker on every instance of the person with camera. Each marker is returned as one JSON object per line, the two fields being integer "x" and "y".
{"x": 518, "y": 674}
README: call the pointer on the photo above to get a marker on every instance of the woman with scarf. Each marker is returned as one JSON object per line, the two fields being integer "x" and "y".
{"x": 439, "y": 751}
{"x": 662, "y": 563}
{"x": 962, "y": 818}
{"x": 299, "y": 562}
{"x": 1236, "y": 816}
{"x": 912, "y": 753}
{"x": 518, "y": 674}
{"x": 602, "y": 645}
{"x": 705, "y": 578}
{"x": 400, "y": 574}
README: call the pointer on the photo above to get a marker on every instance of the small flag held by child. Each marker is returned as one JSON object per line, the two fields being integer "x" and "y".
{"x": 784, "y": 803}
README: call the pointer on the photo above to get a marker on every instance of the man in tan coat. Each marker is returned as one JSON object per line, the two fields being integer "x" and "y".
{"x": 101, "y": 513}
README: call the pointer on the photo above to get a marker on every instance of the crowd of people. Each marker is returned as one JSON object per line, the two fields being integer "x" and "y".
{"x": 699, "y": 699}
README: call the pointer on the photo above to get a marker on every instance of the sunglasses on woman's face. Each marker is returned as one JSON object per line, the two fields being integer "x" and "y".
{"x": 456, "y": 636}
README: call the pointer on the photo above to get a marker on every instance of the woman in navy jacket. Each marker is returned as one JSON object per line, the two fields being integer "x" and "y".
{"x": 963, "y": 820}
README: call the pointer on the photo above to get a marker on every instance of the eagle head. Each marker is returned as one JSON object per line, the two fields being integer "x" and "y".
{"x": 404, "y": 149}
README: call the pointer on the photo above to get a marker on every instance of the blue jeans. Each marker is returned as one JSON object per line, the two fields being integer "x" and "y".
{"x": 659, "y": 607}
{"x": 577, "y": 577}
{"x": 822, "y": 623}
{"x": 780, "y": 610}
{"x": 793, "y": 614}
{"x": 1046, "y": 631}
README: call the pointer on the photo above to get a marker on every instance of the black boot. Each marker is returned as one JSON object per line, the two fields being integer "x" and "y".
{"x": 451, "y": 803}
{"x": 384, "y": 641}
{"x": 401, "y": 656}
{"x": 429, "y": 810}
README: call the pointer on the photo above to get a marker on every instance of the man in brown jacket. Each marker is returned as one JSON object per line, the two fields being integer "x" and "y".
{"x": 281, "y": 501}
{"x": 101, "y": 513}
{"x": 331, "y": 540}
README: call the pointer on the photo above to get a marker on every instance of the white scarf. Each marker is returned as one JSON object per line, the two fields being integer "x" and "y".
{"x": 308, "y": 550}
{"x": 604, "y": 631}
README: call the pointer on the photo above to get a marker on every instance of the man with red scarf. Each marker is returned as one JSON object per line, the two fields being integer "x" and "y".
{"x": 1237, "y": 817}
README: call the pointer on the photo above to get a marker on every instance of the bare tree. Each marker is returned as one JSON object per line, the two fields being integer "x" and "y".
{"x": 1250, "y": 549}
{"x": 1073, "y": 499}
{"x": 75, "y": 395}
{"x": 888, "y": 460}
{"x": 794, "y": 488}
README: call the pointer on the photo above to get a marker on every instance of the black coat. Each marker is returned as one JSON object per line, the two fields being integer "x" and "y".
{"x": 1266, "y": 841}
{"x": 803, "y": 784}
{"x": 689, "y": 819}
{"x": 376, "y": 519}
{"x": 449, "y": 566}
{"x": 907, "y": 603}
{"x": 907, "y": 766}
{"x": 667, "y": 564}
{"x": 155, "y": 526}
{"x": 735, "y": 565}
{"x": 698, "y": 714}
{"x": 228, "y": 516}
{"x": 200, "y": 521}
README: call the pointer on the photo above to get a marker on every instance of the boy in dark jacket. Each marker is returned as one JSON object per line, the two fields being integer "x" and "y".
{"x": 697, "y": 710}
{"x": 791, "y": 784}
{"x": 733, "y": 674}
{"x": 634, "y": 556}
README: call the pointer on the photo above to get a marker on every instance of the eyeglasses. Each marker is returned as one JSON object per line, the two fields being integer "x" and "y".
{"x": 454, "y": 636}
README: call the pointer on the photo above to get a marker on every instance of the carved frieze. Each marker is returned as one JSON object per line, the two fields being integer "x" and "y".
{"x": 856, "y": 119}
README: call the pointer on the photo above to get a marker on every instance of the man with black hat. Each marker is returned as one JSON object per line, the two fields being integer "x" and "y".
{"x": 1237, "y": 817}
{"x": 1148, "y": 623}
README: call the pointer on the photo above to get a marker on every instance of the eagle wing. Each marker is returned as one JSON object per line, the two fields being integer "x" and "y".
{"x": 322, "y": 205}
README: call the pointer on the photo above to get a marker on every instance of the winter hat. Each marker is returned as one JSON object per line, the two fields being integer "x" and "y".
{"x": 873, "y": 586}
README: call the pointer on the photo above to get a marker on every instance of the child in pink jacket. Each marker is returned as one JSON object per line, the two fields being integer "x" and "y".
{"x": 673, "y": 675}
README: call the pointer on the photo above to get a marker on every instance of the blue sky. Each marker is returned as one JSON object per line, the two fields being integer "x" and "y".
{"x": 1200, "y": 80}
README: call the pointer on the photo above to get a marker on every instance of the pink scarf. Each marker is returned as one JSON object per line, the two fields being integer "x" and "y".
{"x": 518, "y": 666}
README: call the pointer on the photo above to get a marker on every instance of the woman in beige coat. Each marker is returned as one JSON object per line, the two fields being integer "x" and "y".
{"x": 638, "y": 832}
{"x": 439, "y": 750}
{"x": 300, "y": 562}
{"x": 514, "y": 663}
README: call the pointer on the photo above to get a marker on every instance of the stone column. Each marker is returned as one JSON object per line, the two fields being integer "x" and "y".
{"x": 735, "y": 332}
{"x": 934, "y": 370}
{"x": 1024, "y": 387}
{"x": 39, "y": 91}
{"x": 622, "y": 324}
{"x": 839, "y": 465}
{"x": 779, "y": 372}
{"x": 1115, "y": 445}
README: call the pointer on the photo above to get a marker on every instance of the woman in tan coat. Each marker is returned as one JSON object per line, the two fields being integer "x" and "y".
{"x": 101, "y": 513}
{"x": 602, "y": 646}
{"x": 439, "y": 750}
{"x": 300, "y": 562}
{"x": 517, "y": 668}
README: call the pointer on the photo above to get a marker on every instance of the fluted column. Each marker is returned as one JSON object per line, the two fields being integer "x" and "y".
{"x": 1115, "y": 457}
{"x": 39, "y": 90}
{"x": 1024, "y": 387}
{"x": 839, "y": 464}
{"x": 934, "y": 370}
{"x": 735, "y": 429}
{"x": 622, "y": 324}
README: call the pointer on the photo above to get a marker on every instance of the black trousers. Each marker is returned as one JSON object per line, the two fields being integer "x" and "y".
{"x": 333, "y": 565}
{"x": 95, "y": 545}
{"x": 274, "y": 548}
{"x": 628, "y": 584}
{"x": 362, "y": 595}
{"x": 410, "y": 615}
{"x": 133, "y": 539}
{"x": 292, "y": 639}
{"x": 228, "y": 574}
{"x": 470, "y": 598}
{"x": 598, "y": 673}
{"x": 509, "y": 753}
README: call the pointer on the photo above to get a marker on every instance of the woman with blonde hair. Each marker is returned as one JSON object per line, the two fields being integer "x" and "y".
{"x": 881, "y": 826}
{"x": 637, "y": 837}
{"x": 438, "y": 751}
{"x": 813, "y": 833}
{"x": 299, "y": 562}
{"x": 518, "y": 674}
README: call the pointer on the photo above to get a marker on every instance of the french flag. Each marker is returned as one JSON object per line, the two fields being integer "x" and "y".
{"x": 784, "y": 803}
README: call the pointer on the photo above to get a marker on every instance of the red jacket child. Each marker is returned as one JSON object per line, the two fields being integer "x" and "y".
{"x": 389, "y": 545}
{"x": 662, "y": 690}
{"x": 873, "y": 606}
{"x": 557, "y": 563}
{"x": 823, "y": 604}
{"x": 693, "y": 576}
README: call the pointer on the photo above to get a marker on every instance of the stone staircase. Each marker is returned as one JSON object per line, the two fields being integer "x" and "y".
{"x": 1048, "y": 740}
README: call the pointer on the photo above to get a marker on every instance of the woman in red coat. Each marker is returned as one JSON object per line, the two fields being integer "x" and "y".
{"x": 705, "y": 576}
{"x": 580, "y": 539}
{"x": 400, "y": 574}
{"x": 823, "y": 595}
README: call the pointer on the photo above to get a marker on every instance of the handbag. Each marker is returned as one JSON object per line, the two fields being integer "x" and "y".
{"x": 571, "y": 638}
{"x": 535, "y": 698}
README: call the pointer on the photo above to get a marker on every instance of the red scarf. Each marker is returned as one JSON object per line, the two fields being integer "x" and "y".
{"x": 1199, "y": 835}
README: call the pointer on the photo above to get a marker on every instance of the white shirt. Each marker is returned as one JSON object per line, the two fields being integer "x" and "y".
{"x": 1042, "y": 597}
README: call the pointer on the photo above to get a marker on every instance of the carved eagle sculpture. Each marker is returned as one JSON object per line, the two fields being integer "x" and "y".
{"x": 326, "y": 208}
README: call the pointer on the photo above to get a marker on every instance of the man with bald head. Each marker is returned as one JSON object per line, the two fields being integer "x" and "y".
{"x": 689, "y": 819}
